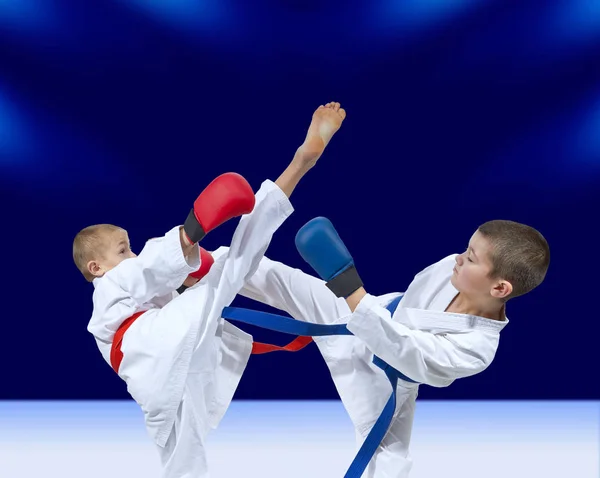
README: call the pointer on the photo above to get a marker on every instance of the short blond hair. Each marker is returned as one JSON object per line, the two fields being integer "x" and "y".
{"x": 520, "y": 254}
{"x": 88, "y": 244}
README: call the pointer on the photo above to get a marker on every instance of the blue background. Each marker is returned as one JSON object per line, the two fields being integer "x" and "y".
{"x": 459, "y": 111}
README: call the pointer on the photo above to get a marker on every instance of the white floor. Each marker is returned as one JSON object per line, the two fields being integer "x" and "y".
{"x": 305, "y": 439}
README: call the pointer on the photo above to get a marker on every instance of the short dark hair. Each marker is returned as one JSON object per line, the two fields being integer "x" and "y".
{"x": 520, "y": 254}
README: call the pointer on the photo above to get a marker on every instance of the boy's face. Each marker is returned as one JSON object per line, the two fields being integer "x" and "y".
{"x": 115, "y": 249}
{"x": 472, "y": 269}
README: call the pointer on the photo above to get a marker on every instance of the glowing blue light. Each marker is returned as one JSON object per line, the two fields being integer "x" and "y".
{"x": 561, "y": 153}
{"x": 587, "y": 137}
{"x": 187, "y": 14}
{"x": 12, "y": 138}
{"x": 576, "y": 20}
{"x": 402, "y": 16}
{"x": 34, "y": 146}
{"x": 25, "y": 14}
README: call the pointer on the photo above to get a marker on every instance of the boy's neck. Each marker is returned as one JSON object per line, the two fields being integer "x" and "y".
{"x": 463, "y": 305}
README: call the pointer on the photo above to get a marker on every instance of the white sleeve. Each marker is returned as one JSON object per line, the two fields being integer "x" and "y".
{"x": 424, "y": 357}
{"x": 159, "y": 269}
{"x": 301, "y": 295}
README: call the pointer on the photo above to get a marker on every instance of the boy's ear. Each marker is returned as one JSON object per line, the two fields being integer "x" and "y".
{"x": 502, "y": 289}
{"x": 94, "y": 268}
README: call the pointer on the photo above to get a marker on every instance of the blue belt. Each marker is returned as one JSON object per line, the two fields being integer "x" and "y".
{"x": 287, "y": 325}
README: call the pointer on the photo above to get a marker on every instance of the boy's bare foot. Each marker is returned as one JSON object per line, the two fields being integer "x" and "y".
{"x": 326, "y": 121}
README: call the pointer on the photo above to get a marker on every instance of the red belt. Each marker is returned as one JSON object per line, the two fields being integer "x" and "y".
{"x": 116, "y": 356}
{"x": 297, "y": 344}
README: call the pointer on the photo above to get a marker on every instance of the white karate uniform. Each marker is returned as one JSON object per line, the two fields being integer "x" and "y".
{"x": 181, "y": 361}
{"x": 422, "y": 341}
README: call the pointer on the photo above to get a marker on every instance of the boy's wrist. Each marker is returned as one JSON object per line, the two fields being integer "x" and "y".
{"x": 354, "y": 299}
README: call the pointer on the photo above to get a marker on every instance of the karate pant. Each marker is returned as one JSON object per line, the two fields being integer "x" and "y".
{"x": 172, "y": 357}
{"x": 363, "y": 387}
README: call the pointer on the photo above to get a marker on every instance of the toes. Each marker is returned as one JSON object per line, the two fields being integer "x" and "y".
{"x": 342, "y": 113}
{"x": 332, "y": 105}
